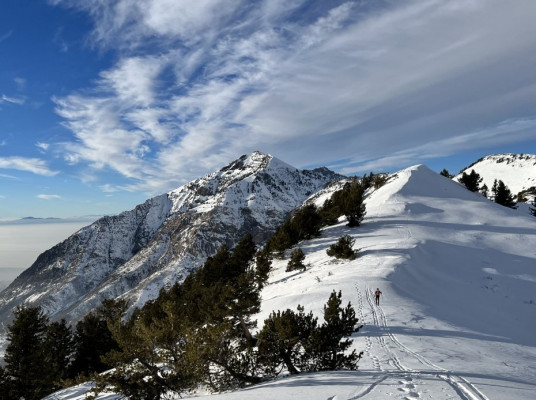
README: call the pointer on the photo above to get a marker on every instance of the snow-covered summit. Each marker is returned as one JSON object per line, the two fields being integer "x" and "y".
{"x": 139, "y": 252}
{"x": 517, "y": 171}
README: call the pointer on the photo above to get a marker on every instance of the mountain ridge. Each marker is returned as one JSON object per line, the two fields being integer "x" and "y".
{"x": 138, "y": 252}
{"x": 517, "y": 171}
{"x": 455, "y": 319}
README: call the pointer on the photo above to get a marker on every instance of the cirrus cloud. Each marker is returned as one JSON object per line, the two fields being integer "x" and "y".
{"x": 314, "y": 82}
{"x": 48, "y": 196}
{"x": 34, "y": 165}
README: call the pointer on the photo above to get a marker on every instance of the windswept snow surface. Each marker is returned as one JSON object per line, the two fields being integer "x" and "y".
{"x": 457, "y": 319}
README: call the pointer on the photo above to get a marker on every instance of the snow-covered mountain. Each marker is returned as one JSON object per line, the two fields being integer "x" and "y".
{"x": 139, "y": 252}
{"x": 517, "y": 171}
{"x": 457, "y": 314}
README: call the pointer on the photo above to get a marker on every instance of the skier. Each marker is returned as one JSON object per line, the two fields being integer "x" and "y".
{"x": 377, "y": 293}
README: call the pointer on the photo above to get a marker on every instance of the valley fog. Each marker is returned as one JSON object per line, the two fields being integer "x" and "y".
{"x": 21, "y": 243}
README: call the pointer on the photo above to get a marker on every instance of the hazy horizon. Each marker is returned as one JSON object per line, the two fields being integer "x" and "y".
{"x": 21, "y": 244}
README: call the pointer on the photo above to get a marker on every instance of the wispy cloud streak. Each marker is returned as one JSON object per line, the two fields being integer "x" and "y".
{"x": 48, "y": 196}
{"x": 313, "y": 82}
{"x": 34, "y": 165}
{"x": 13, "y": 100}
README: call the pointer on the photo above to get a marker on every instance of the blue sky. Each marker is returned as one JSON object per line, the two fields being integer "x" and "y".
{"x": 106, "y": 103}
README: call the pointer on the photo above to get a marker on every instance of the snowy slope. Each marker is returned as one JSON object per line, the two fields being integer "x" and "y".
{"x": 457, "y": 317}
{"x": 517, "y": 171}
{"x": 137, "y": 253}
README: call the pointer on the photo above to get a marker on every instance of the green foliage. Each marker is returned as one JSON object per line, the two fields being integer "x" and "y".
{"x": 38, "y": 356}
{"x": 26, "y": 373}
{"x": 373, "y": 180}
{"x": 283, "y": 338}
{"x": 5, "y": 385}
{"x": 329, "y": 344}
{"x": 502, "y": 195}
{"x": 350, "y": 201}
{"x": 154, "y": 356}
{"x": 343, "y": 248}
{"x": 471, "y": 181}
{"x": 263, "y": 262}
{"x": 59, "y": 347}
{"x": 484, "y": 190}
{"x": 297, "y": 257}
{"x": 330, "y": 212}
{"x": 294, "y": 341}
{"x": 304, "y": 224}
{"x": 444, "y": 172}
{"x": 198, "y": 332}
{"x": 93, "y": 339}
{"x": 228, "y": 357}
{"x": 308, "y": 220}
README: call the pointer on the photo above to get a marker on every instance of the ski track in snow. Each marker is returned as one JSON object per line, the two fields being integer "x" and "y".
{"x": 409, "y": 379}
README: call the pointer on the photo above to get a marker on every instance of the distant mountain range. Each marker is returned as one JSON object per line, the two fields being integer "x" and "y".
{"x": 49, "y": 220}
{"x": 138, "y": 252}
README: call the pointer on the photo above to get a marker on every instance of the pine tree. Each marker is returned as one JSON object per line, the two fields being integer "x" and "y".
{"x": 282, "y": 338}
{"x": 294, "y": 341}
{"x": 5, "y": 385}
{"x": 343, "y": 248}
{"x": 154, "y": 356}
{"x": 353, "y": 203}
{"x": 214, "y": 268}
{"x": 329, "y": 213}
{"x": 329, "y": 345}
{"x": 306, "y": 223}
{"x": 241, "y": 257}
{"x": 59, "y": 348}
{"x": 25, "y": 361}
{"x": 484, "y": 190}
{"x": 296, "y": 261}
{"x": 445, "y": 173}
{"x": 93, "y": 339}
{"x": 263, "y": 262}
{"x": 502, "y": 195}
{"x": 471, "y": 181}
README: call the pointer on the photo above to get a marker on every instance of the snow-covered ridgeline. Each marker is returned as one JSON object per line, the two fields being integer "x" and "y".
{"x": 456, "y": 319}
{"x": 517, "y": 171}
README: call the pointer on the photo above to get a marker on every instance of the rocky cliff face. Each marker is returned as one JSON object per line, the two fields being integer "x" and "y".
{"x": 137, "y": 253}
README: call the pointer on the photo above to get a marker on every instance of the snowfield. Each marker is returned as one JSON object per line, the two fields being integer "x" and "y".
{"x": 457, "y": 319}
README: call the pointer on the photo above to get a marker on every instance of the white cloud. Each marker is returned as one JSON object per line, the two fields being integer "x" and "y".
{"x": 34, "y": 165}
{"x": 43, "y": 146}
{"x": 48, "y": 196}
{"x": 13, "y": 100}
{"x": 313, "y": 82}
{"x": 20, "y": 82}
{"x": 505, "y": 132}
{"x": 109, "y": 188}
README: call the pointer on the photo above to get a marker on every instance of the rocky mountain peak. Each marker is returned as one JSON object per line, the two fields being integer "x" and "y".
{"x": 137, "y": 253}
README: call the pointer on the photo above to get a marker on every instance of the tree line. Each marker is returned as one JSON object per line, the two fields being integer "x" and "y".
{"x": 499, "y": 192}
{"x": 199, "y": 332}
